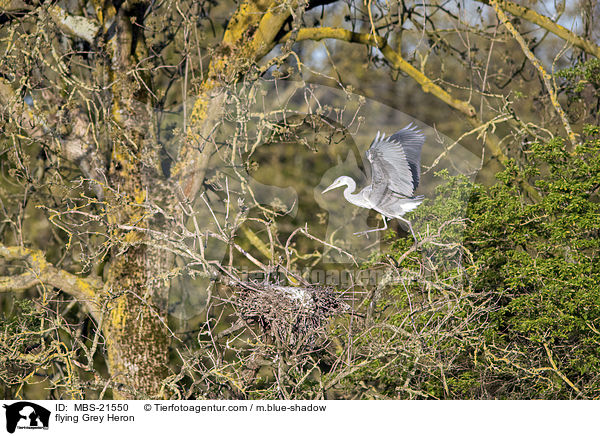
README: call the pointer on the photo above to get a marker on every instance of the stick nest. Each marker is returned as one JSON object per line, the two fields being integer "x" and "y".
{"x": 292, "y": 315}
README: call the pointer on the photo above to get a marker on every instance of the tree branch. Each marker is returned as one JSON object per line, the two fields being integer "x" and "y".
{"x": 319, "y": 33}
{"x": 79, "y": 27}
{"x": 249, "y": 36}
{"x": 538, "y": 65}
{"x": 73, "y": 25}
{"x": 75, "y": 147}
{"x": 546, "y": 23}
{"x": 7, "y": 6}
{"x": 41, "y": 272}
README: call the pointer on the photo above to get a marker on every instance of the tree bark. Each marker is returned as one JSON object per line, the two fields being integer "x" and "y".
{"x": 136, "y": 332}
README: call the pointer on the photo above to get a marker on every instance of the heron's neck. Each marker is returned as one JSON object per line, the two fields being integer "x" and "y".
{"x": 350, "y": 186}
{"x": 348, "y": 193}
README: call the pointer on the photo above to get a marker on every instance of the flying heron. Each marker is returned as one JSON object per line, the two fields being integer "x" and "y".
{"x": 395, "y": 172}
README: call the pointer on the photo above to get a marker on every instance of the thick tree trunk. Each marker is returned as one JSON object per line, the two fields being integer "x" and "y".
{"x": 136, "y": 334}
{"x": 135, "y": 327}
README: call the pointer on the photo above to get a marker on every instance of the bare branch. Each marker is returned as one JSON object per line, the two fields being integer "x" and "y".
{"x": 13, "y": 6}
{"x": 41, "y": 272}
{"x": 251, "y": 32}
{"x": 79, "y": 27}
{"x": 398, "y": 62}
{"x": 538, "y": 65}
{"x": 546, "y": 23}
{"x": 75, "y": 147}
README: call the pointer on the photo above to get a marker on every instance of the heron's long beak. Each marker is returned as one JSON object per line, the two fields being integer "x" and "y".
{"x": 332, "y": 186}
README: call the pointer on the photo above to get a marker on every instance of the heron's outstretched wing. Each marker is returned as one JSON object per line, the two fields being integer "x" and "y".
{"x": 412, "y": 140}
{"x": 395, "y": 163}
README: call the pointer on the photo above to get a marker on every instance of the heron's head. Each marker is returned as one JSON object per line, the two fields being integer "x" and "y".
{"x": 340, "y": 181}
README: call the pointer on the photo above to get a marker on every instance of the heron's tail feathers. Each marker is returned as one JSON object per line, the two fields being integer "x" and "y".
{"x": 411, "y": 203}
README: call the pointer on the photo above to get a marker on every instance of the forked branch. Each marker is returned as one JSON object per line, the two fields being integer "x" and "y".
{"x": 41, "y": 272}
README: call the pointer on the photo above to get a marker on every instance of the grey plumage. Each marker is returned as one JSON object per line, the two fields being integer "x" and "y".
{"x": 395, "y": 174}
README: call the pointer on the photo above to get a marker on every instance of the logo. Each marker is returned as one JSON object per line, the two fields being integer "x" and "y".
{"x": 26, "y": 415}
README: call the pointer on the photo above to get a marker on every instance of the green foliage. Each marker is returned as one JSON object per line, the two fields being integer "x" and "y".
{"x": 24, "y": 317}
{"x": 19, "y": 339}
{"x": 578, "y": 76}
{"x": 582, "y": 88}
{"x": 542, "y": 258}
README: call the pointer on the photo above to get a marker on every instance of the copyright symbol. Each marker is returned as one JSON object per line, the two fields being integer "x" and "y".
{"x": 147, "y": 407}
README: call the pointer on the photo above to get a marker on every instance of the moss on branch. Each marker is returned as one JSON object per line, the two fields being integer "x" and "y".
{"x": 42, "y": 272}
{"x": 397, "y": 61}
{"x": 249, "y": 36}
{"x": 80, "y": 27}
{"x": 546, "y": 23}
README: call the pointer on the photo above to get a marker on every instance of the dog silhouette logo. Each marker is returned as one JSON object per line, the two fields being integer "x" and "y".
{"x": 26, "y": 415}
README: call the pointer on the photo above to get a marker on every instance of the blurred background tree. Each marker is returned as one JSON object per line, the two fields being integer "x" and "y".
{"x": 154, "y": 152}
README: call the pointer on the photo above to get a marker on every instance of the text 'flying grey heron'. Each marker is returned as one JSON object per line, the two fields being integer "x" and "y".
{"x": 395, "y": 172}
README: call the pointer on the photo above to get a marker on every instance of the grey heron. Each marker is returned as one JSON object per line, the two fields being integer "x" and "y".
{"x": 395, "y": 173}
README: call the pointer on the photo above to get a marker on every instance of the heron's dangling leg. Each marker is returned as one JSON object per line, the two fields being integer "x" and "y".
{"x": 366, "y": 232}
{"x": 409, "y": 226}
